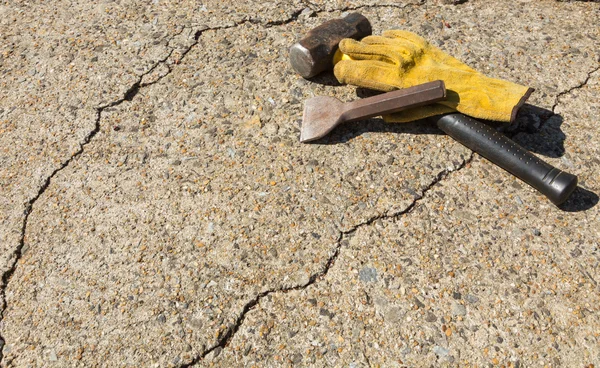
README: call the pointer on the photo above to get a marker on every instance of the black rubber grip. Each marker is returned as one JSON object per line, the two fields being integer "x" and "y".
{"x": 555, "y": 184}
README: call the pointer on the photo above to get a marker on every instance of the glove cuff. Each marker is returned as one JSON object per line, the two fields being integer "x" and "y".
{"x": 487, "y": 98}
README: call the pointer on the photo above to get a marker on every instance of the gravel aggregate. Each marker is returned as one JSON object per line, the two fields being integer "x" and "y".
{"x": 157, "y": 208}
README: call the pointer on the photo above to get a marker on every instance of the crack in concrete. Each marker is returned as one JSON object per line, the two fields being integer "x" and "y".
{"x": 566, "y": 92}
{"x": 128, "y": 96}
{"x": 570, "y": 90}
{"x": 368, "y": 6}
{"x": 229, "y": 334}
{"x": 18, "y": 252}
{"x": 225, "y": 338}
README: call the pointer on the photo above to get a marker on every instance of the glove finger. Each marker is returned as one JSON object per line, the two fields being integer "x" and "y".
{"x": 371, "y": 74}
{"x": 405, "y": 47}
{"x": 411, "y": 37}
{"x": 358, "y": 50}
{"x": 420, "y": 43}
{"x": 361, "y": 51}
{"x": 381, "y": 40}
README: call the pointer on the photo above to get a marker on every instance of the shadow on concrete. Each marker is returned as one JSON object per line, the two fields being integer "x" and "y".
{"x": 580, "y": 200}
{"x": 535, "y": 128}
{"x": 349, "y": 131}
{"x": 538, "y": 130}
{"x": 327, "y": 79}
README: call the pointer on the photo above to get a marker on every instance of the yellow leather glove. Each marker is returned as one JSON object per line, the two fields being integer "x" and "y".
{"x": 401, "y": 59}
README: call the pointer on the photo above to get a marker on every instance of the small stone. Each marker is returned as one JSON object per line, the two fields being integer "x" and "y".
{"x": 367, "y": 274}
{"x": 418, "y": 303}
{"x": 307, "y": 13}
{"x": 253, "y": 123}
{"x": 537, "y": 232}
{"x": 380, "y": 302}
{"x": 430, "y": 317}
{"x": 471, "y": 298}
{"x": 440, "y": 351}
{"x": 326, "y": 313}
{"x": 393, "y": 315}
{"x": 176, "y": 162}
{"x": 52, "y": 356}
{"x": 271, "y": 129}
{"x": 456, "y": 295}
{"x": 576, "y": 252}
{"x": 161, "y": 318}
{"x": 297, "y": 358}
{"x": 459, "y": 309}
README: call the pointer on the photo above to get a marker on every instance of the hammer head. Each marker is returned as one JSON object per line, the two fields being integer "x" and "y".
{"x": 314, "y": 53}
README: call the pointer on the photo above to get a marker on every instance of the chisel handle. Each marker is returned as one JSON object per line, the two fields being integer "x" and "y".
{"x": 555, "y": 184}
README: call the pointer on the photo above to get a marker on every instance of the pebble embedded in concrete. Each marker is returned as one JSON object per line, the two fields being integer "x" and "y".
{"x": 194, "y": 201}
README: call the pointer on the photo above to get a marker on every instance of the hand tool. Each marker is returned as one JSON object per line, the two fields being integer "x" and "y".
{"x": 555, "y": 184}
{"x": 323, "y": 113}
{"x": 314, "y": 53}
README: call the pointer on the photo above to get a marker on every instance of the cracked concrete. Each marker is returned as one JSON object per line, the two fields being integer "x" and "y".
{"x": 163, "y": 213}
{"x": 404, "y": 292}
{"x": 96, "y": 53}
{"x": 225, "y": 339}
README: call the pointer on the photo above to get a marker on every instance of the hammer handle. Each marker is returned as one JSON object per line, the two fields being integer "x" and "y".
{"x": 555, "y": 184}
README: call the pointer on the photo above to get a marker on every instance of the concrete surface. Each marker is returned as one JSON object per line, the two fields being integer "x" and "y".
{"x": 158, "y": 210}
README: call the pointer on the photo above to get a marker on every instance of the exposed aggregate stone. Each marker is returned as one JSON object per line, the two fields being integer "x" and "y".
{"x": 195, "y": 199}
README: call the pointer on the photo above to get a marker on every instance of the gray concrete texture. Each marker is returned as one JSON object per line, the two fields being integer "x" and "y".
{"x": 157, "y": 208}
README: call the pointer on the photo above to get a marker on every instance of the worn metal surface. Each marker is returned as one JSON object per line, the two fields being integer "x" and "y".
{"x": 314, "y": 53}
{"x": 322, "y": 113}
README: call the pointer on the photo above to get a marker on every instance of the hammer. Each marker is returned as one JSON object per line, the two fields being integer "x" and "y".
{"x": 314, "y": 54}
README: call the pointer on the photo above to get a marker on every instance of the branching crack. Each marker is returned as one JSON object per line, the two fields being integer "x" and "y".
{"x": 128, "y": 96}
{"x": 18, "y": 252}
{"x": 570, "y": 90}
{"x": 373, "y": 6}
{"x": 228, "y": 335}
{"x": 548, "y": 116}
